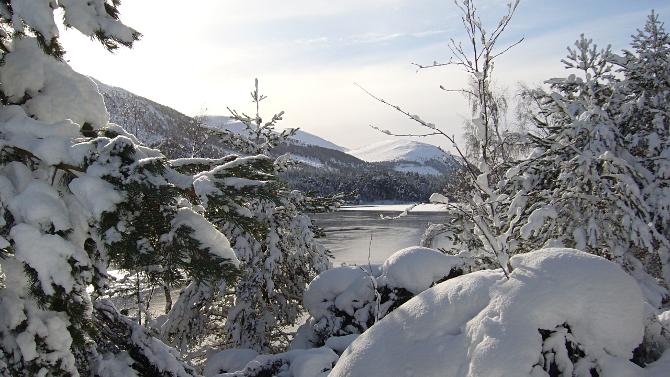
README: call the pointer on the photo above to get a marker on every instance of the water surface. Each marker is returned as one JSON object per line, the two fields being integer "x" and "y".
{"x": 348, "y": 233}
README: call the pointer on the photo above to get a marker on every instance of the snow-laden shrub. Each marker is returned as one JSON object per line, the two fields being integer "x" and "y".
{"x": 415, "y": 269}
{"x": 561, "y": 313}
{"x": 348, "y": 300}
{"x": 656, "y": 337}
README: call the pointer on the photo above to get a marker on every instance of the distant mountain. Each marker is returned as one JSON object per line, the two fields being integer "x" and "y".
{"x": 407, "y": 156}
{"x": 398, "y": 149}
{"x": 326, "y": 168}
{"x": 151, "y": 122}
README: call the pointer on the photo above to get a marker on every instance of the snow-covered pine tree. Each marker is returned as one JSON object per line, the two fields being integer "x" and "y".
{"x": 277, "y": 266}
{"x": 263, "y": 135}
{"x": 276, "y": 246}
{"x": 581, "y": 187}
{"x": 223, "y": 189}
{"x": 276, "y": 270}
{"x": 78, "y": 194}
{"x": 646, "y": 116}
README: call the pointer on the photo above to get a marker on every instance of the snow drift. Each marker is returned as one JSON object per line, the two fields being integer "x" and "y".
{"x": 561, "y": 311}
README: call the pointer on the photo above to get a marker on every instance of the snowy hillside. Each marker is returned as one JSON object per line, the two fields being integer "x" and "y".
{"x": 157, "y": 125}
{"x": 406, "y": 156}
{"x": 149, "y": 121}
{"x": 302, "y": 137}
{"x": 398, "y": 149}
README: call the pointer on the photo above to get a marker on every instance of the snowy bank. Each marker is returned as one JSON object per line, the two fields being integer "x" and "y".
{"x": 561, "y": 310}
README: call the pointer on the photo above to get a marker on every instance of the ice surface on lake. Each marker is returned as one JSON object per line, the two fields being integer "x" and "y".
{"x": 348, "y": 232}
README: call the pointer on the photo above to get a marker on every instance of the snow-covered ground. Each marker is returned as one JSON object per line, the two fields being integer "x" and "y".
{"x": 483, "y": 324}
{"x": 559, "y": 311}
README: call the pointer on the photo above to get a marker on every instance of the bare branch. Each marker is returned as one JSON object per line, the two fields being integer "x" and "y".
{"x": 507, "y": 49}
{"x": 465, "y": 91}
{"x": 387, "y": 132}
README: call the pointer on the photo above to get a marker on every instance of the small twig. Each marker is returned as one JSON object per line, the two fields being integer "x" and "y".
{"x": 370, "y": 253}
{"x": 375, "y": 287}
{"x": 387, "y": 132}
{"x": 466, "y": 91}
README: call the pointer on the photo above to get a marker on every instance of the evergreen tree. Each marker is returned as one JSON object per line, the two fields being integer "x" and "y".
{"x": 274, "y": 241}
{"x": 277, "y": 265}
{"x": 79, "y": 194}
{"x": 581, "y": 187}
{"x": 646, "y": 116}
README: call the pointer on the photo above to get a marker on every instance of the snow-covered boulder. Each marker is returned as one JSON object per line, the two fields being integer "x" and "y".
{"x": 416, "y": 268}
{"x": 342, "y": 288}
{"x": 561, "y": 310}
{"x": 348, "y": 300}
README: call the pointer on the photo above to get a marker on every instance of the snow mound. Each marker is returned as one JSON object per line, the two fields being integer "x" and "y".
{"x": 344, "y": 288}
{"x": 417, "y": 268}
{"x": 345, "y": 301}
{"x": 230, "y": 360}
{"x": 482, "y": 324}
{"x": 398, "y": 149}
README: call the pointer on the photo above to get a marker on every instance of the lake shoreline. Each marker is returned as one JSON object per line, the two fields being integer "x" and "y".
{"x": 422, "y": 207}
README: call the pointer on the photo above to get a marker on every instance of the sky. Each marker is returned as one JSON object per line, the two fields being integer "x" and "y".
{"x": 201, "y": 57}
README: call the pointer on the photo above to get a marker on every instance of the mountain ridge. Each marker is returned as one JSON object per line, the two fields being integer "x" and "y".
{"x": 304, "y": 137}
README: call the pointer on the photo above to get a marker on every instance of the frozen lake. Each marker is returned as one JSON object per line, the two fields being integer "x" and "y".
{"x": 348, "y": 238}
{"x": 348, "y": 232}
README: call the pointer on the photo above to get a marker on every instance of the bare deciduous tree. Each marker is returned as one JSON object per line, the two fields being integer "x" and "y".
{"x": 478, "y": 220}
